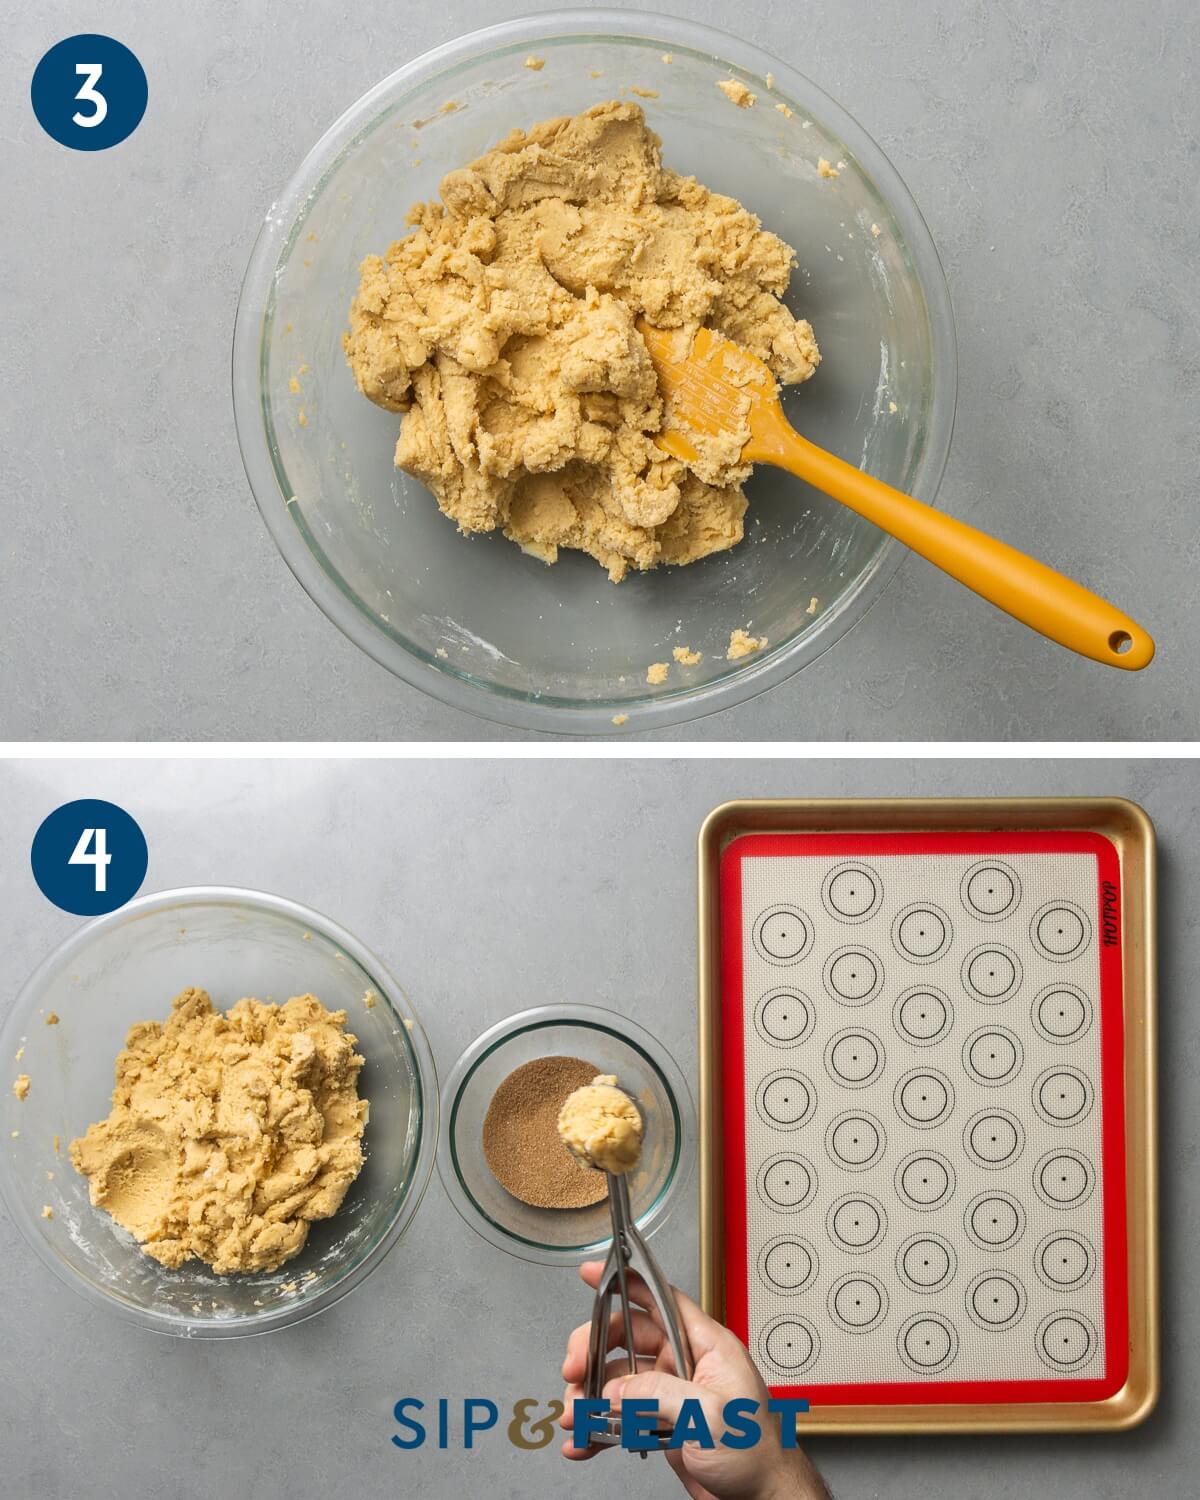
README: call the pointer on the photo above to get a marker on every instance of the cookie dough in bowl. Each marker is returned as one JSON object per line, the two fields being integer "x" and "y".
{"x": 232, "y": 1180}
{"x": 504, "y": 328}
{"x": 229, "y": 1135}
{"x": 514, "y": 440}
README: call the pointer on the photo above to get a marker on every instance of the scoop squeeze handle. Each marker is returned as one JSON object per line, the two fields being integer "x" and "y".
{"x": 629, "y": 1253}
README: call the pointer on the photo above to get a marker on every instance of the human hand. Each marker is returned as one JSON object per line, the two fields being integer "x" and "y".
{"x": 723, "y": 1372}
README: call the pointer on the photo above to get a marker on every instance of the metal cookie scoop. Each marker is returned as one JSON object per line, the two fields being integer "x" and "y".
{"x": 628, "y": 1253}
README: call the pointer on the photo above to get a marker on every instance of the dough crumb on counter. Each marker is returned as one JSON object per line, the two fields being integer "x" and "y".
{"x": 370, "y": 999}
{"x": 812, "y": 605}
{"x": 742, "y": 643}
{"x": 668, "y": 57}
{"x": 826, "y": 168}
{"x": 876, "y": 231}
{"x": 892, "y": 407}
{"x": 294, "y": 386}
{"x": 770, "y": 80}
{"x": 230, "y": 1133}
{"x": 643, "y": 93}
{"x": 736, "y": 90}
{"x": 656, "y": 672}
{"x": 535, "y": 64}
{"x": 47, "y": 1211}
{"x": 21, "y": 1085}
{"x": 57, "y": 1145}
{"x": 19, "y": 1053}
{"x": 686, "y": 657}
{"x": 503, "y": 330}
{"x": 784, "y": 110}
{"x": 52, "y": 1018}
{"x": 619, "y": 719}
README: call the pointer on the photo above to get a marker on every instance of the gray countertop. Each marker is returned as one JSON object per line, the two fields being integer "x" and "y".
{"x": 540, "y": 865}
{"x": 1052, "y": 150}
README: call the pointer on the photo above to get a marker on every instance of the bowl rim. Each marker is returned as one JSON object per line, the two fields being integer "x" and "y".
{"x": 300, "y": 548}
{"x": 420, "y": 1170}
{"x": 593, "y": 1018}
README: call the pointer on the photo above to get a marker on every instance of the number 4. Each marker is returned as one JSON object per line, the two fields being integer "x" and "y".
{"x": 99, "y": 857}
{"x": 90, "y": 73}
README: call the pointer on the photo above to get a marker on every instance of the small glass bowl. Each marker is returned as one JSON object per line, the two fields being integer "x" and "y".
{"x": 128, "y": 967}
{"x": 644, "y": 1068}
{"x": 474, "y": 621}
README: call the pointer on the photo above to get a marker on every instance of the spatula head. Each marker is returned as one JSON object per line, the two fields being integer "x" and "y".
{"x": 714, "y": 391}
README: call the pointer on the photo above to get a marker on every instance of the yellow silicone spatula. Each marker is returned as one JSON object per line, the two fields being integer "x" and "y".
{"x": 714, "y": 387}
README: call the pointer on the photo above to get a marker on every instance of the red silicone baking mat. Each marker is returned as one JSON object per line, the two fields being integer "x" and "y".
{"x": 922, "y": 1102}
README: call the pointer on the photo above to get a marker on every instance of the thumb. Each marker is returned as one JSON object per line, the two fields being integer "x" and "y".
{"x": 656, "y": 1385}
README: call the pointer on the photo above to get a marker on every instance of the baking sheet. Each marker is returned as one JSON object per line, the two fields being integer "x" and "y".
{"x": 915, "y": 1106}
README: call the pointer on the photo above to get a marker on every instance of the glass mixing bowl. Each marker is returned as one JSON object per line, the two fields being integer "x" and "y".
{"x": 644, "y": 1068}
{"x": 128, "y": 967}
{"x": 476, "y": 622}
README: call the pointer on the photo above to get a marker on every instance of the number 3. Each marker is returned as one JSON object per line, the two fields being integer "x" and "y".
{"x": 90, "y": 72}
{"x": 100, "y": 858}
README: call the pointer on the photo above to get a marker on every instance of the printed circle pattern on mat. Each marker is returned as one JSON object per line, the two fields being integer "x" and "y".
{"x": 854, "y": 1057}
{"x": 922, "y": 933}
{"x": 924, "y": 1098}
{"x": 789, "y": 1344}
{"x": 857, "y": 1303}
{"x": 990, "y": 890}
{"x": 786, "y": 1100}
{"x": 1062, "y": 1013}
{"x": 852, "y": 893}
{"x": 855, "y": 1140}
{"x": 1060, "y": 931}
{"x": 926, "y": 1263}
{"x": 923, "y": 1016}
{"x": 994, "y": 1220}
{"x": 1065, "y": 1261}
{"x": 996, "y": 1300}
{"x": 992, "y": 973}
{"x": 856, "y": 1223}
{"x": 784, "y": 1018}
{"x": 1065, "y": 1340}
{"x": 788, "y": 1264}
{"x": 1064, "y": 1178}
{"x": 956, "y": 1241}
{"x": 787, "y": 1182}
{"x": 1063, "y": 1096}
{"x": 928, "y": 1343}
{"x": 925, "y": 1180}
{"x": 993, "y": 1055}
{"x": 783, "y": 935}
{"x": 994, "y": 1138}
{"x": 853, "y": 976}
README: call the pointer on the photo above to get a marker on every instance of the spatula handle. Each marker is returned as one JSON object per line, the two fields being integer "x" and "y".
{"x": 1046, "y": 601}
